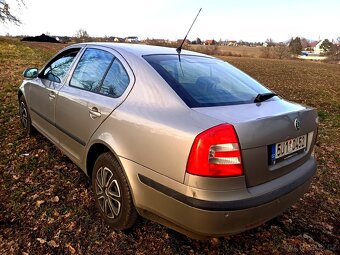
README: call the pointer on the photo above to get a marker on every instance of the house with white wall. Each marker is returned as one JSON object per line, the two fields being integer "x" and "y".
{"x": 317, "y": 48}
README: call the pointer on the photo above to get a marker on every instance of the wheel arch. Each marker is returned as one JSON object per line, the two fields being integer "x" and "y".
{"x": 22, "y": 90}
{"x": 93, "y": 153}
{"x": 20, "y": 93}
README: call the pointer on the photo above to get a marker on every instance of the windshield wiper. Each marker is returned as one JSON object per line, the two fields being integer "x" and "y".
{"x": 263, "y": 97}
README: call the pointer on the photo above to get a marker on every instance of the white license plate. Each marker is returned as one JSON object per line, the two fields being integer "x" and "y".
{"x": 290, "y": 146}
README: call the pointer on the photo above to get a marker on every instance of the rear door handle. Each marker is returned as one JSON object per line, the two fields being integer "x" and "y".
{"x": 94, "y": 112}
{"x": 51, "y": 96}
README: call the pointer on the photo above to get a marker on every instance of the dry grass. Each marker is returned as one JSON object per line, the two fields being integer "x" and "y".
{"x": 240, "y": 51}
{"x": 47, "y": 207}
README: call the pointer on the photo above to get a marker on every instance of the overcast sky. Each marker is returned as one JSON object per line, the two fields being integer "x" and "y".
{"x": 248, "y": 20}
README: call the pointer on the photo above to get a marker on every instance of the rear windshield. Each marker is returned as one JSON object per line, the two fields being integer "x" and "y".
{"x": 203, "y": 81}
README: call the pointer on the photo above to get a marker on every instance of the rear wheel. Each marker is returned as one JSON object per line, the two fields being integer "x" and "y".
{"x": 112, "y": 193}
{"x": 25, "y": 117}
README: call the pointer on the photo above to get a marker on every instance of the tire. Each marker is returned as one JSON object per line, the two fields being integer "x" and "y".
{"x": 112, "y": 193}
{"x": 25, "y": 117}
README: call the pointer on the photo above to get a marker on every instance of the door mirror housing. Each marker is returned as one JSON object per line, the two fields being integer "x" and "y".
{"x": 31, "y": 73}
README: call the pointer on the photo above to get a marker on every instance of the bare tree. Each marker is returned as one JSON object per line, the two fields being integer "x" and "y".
{"x": 334, "y": 51}
{"x": 82, "y": 36}
{"x": 281, "y": 51}
{"x": 304, "y": 43}
{"x": 5, "y": 12}
{"x": 278, "y": 51}
{"x": 265, "y": 52}
{"x": 270, "y": 42}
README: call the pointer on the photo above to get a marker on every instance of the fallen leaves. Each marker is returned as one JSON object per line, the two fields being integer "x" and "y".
{"x": 55, "y": 199}
{"x": 215, "y": 241}
{"x": 70, "y": 248}
{"x": 41, "y": 240}
{"x": 53, "y": 243}
{"x": 50, "y": 243}
{"x": 39, "y": 202}
{"x": 71, "y": 225}
{"x": 16, "y": 177}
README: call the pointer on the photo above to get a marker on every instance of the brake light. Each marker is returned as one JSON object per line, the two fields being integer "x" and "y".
{"x": 216, "y": 153}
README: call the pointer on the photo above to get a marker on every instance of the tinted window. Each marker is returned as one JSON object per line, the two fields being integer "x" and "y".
{"x": 116, "y": 80}
{"x": 91, "y": 69}
{"x": 59, "y": 67}
{"x": 202, "y": 81}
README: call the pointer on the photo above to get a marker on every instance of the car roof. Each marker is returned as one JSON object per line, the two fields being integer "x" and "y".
{"x": 140, "y": 49}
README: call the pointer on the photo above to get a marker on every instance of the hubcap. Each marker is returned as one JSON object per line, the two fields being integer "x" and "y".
{"x": 108, "y": 192}
{"x": 23, "y": 114}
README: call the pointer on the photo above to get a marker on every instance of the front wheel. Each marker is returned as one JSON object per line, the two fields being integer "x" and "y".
{"x": 25, "y": 117}
{"x": 112, "y": 193}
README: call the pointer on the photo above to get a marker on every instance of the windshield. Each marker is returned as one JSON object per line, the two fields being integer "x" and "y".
{"x": 203, "y": 81}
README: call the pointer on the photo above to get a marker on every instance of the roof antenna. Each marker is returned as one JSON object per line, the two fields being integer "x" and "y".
{"x": 179, "y": 49}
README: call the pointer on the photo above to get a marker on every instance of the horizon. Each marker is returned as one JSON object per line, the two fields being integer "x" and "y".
{"x": 250, "y": 21}
{"x": 171, "y": 41}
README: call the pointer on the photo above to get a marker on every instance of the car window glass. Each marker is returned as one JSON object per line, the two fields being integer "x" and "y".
{"x": 57, "y": 70}
{"x": 91, "y": 69}
{"x": 202, "y": 81}
{"x": 116, "y": 80}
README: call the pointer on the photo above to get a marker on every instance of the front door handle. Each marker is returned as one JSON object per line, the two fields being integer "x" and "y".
{"x": 51, "y": 96}
{"x": 94, "y": 112}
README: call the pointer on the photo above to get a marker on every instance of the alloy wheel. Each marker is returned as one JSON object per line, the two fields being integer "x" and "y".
{"x": 23, "y": 114}
{"x": 108, "y": 192}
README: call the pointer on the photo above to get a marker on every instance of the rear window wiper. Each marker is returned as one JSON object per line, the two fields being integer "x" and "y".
{"x": 263, "y": 97}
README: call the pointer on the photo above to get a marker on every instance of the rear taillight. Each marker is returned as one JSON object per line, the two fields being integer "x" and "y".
{"x": 216, "y": 152}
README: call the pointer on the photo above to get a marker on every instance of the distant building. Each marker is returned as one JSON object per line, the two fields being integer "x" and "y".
{"x": 223, "y": 42}
{"x": 313, "y": 44}
{"x": 118, "y": 39}
{"x": 63, "y": 39}
{"x": 179, "y": 41}
{"x": 232, "y": 43}
{"x": 317, "y": 48}
{"x": 210, "y": 42}
{"x": 131, "y": 39}
{"x": 157, "y": 41}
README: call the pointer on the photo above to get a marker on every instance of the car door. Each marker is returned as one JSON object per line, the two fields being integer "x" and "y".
{"x": 98, "y": 84}
{"x": 44, "y": 89}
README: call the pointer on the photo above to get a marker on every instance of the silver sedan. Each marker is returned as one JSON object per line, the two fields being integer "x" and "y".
{"x": 184, "y": 139}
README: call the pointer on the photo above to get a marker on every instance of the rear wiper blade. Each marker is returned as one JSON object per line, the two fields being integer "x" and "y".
{"x": 263, "y": 97}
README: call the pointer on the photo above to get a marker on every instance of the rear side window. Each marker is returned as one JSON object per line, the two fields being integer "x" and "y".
{"x": 100, "y": 72}
{"x": 203, "y": 81}
{"x": 116, "y": 80}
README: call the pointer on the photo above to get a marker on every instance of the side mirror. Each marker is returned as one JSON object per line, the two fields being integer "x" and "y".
{"x": 31, "y": 73}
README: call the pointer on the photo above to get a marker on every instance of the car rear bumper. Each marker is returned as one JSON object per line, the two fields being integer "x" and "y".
{"x": 190, "y": 214}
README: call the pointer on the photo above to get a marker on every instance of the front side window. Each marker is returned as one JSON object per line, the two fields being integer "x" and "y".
{"x": 58, "y": 68}
{"x": 203, "y": 81}
{"x": 91, "y": 69}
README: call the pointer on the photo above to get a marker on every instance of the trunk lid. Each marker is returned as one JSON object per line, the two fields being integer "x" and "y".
{"x": 261, "y": 125}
